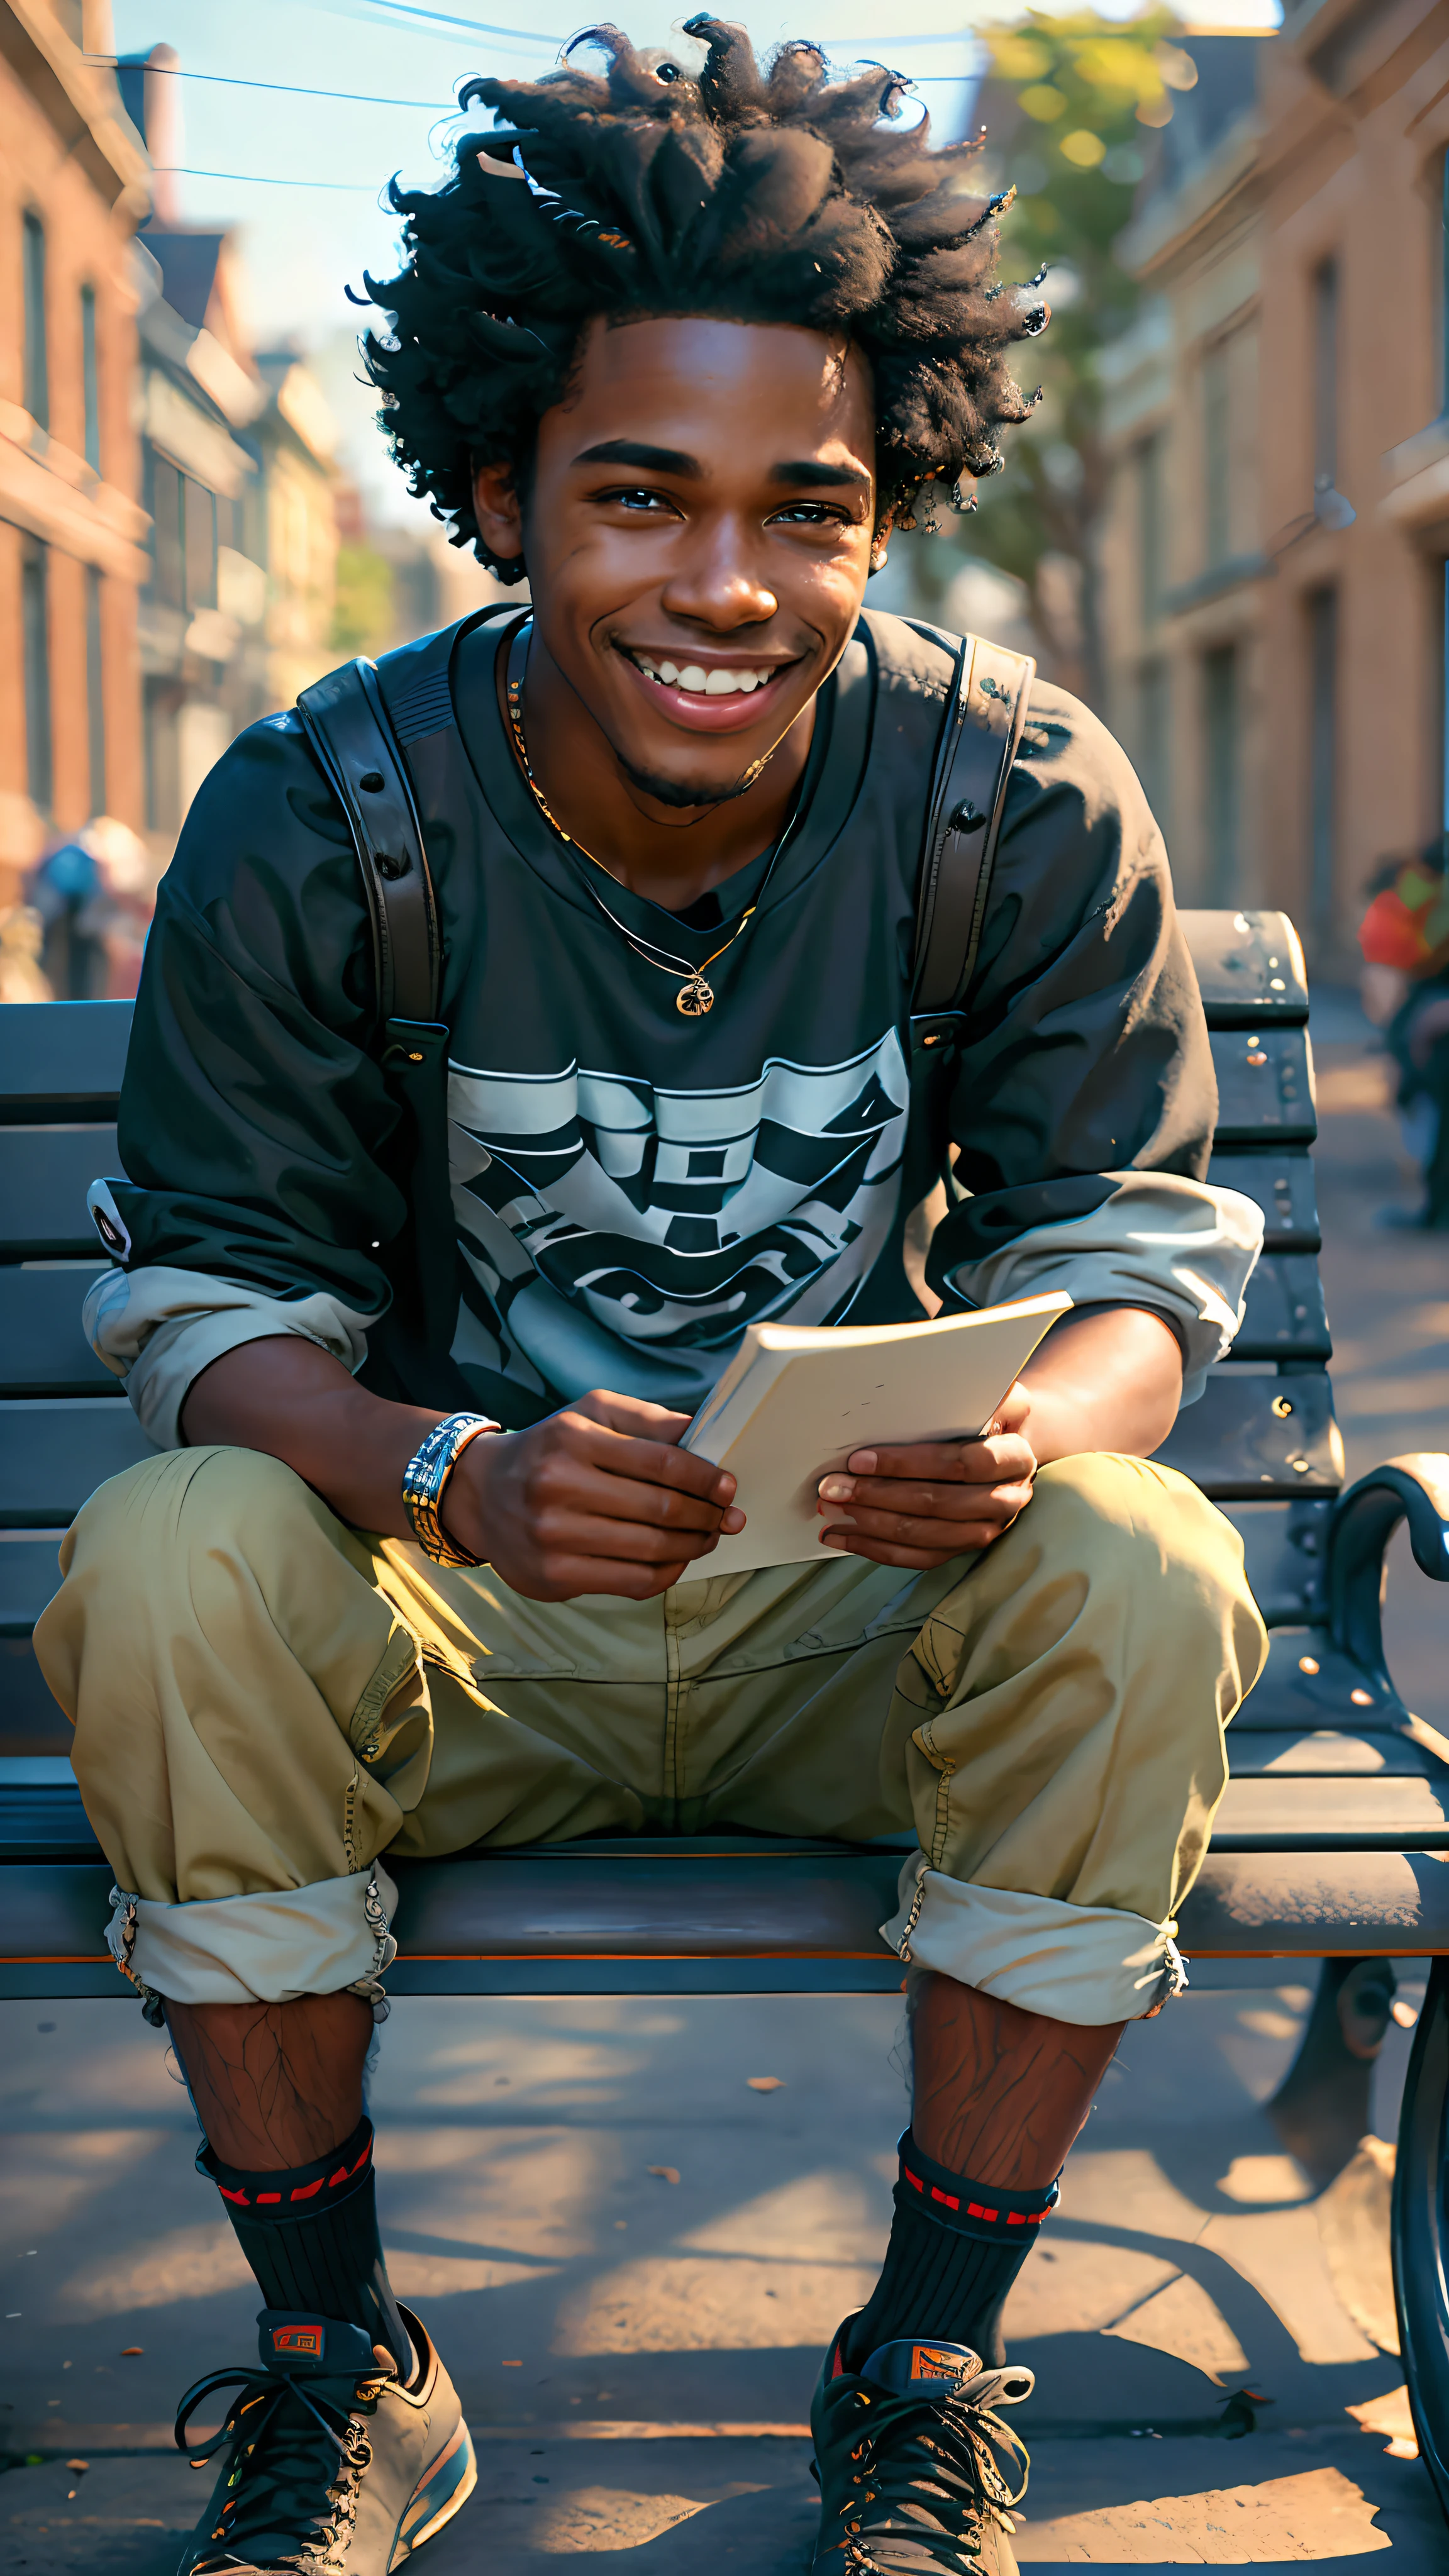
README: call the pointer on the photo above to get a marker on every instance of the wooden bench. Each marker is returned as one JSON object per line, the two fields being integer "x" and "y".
{"x": 1332, "y": 1840}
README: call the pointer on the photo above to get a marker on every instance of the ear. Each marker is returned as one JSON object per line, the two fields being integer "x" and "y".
{"x": 880, "y": 541}
{"x": 500, "y": 518}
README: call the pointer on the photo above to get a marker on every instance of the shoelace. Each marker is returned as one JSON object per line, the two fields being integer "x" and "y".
{"x": 292, "y": 2469}
{"x": 938, "y": 2458}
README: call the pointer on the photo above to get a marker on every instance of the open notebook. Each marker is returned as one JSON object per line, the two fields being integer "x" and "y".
{"x": 794, "y": 1403}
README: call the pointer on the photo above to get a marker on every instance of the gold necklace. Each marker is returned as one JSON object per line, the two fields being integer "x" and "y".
{"x": 694, "y": 996}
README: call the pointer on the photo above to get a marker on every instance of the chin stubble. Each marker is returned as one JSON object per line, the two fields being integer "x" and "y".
{"x": 676, "y": 793}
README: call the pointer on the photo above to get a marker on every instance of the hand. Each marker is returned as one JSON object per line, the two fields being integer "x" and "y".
{"x": 597, "y": 1498}
{"x": 938, "y": 1499}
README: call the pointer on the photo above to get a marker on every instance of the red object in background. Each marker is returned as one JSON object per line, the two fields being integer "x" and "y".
{"x": 1391, "y": 935}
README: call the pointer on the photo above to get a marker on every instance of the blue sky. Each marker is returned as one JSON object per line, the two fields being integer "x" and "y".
{"x": 304, "y": 171}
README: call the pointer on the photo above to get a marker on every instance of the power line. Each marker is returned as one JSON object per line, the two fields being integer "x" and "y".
{"x": 258, "y": 179}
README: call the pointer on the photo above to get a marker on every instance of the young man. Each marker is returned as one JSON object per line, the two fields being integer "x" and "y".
{"x": 681, "y": 344}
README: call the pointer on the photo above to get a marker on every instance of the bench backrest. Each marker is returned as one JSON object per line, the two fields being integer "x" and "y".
{"x": 1262, "y": 1441}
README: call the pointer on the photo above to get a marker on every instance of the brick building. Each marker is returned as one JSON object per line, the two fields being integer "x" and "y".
{"x": 73, "y": 186}
{"x": 1275, "y": 550}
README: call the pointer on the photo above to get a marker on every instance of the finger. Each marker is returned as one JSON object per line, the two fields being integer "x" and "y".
{"x": 564, "y": 1530}
{"x": 571, "y": 1578}
{"x": 578, "y": 1484}
{"x": 648, "y": 1462}
{"x": 1006, "y": 1459}
{"x": 906, "y": 1529}
{"x": 940, "y": 1502}
{"x": 633, "y": 1414}
{"x": 883, "y": 1552}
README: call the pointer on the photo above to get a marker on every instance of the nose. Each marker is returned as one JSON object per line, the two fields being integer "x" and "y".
{"x": 718, "y": 582}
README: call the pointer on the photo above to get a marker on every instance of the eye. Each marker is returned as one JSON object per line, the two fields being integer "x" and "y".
{"x": 637, "y": 497}
{"x": 811, "y": 514}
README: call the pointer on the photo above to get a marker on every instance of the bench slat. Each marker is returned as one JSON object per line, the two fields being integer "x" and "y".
{"x": 1285, "y": 1315}
{"x": 62, "y": 1059}
{"x": 43, "y": 1350}
{"x": 1248, "y": 1438}
{"x": 1280, "y": 1178}
{"x": 45, "y": 1173}
{"x": 1265, "y": 1086}
{"x": 1329, "y": 1754}
{"x": 1283, "y": 1547}
{"x": 1249, "y": 967}
{"x": 29, "y": 1576}
{"x": 53, "y": 1455}
{"x": 30, "y": 1721}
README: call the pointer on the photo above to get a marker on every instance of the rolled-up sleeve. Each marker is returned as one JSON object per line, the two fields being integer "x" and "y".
{"x": 1083, "y": 1108}
{"x": 260, "y": 1193}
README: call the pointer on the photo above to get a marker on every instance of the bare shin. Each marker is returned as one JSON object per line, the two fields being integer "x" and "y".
{"x": 999, "y": 2093}
{"x": 275, "y": 2085}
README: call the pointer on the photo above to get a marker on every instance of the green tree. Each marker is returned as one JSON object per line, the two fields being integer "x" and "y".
{"x": 362, "y": 615}
{"x": 1069, "y": 106}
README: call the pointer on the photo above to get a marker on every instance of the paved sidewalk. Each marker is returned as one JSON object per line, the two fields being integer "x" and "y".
{"x": 636, "y": 2352}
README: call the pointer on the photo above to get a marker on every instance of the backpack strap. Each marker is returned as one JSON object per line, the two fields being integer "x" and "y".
{"x": 978, "y": 743}
{"x": 352, "y": 735}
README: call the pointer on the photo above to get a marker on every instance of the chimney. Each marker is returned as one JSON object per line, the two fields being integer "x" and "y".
{"x": 150, "y": 86}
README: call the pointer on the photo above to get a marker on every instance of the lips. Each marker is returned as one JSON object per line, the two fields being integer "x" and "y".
{"x": 708, "y": 697}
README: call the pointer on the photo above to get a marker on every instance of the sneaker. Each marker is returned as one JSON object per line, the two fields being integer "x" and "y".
{"x": 907, "y": 2456}
{"x": 333, "y": 2467}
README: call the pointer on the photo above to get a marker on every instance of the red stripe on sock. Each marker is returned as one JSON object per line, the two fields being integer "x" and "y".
{"x": 361, "y": 2161}
{"x": 238, "y": 2196}
{"x": 975, "y": 2210}
{"x": 913, "y": 2179}
{"x": 948, "y": 2201}
{"x": 267, "y": 2195}
{"x": 307, "y": 2190}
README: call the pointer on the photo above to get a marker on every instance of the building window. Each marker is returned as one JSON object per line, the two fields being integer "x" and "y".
{"x": 1222, "y": 755}
{"x": 90, "y": 379}
{"x": 1325, "y": 376}
{"x": 163, "y": 502}
{"x": 37, "y": 370}
{"x": 1217, "y": 462}
{"x": 200, "y": 541}
{"x": 1150, "y": 566}
{"x": 1322, "y": 765}
{"x": 35, "y": 646}
{"x": 95, "y": 692}
{"x": 1154, "y": 719}
{"x": 160, "y": 706}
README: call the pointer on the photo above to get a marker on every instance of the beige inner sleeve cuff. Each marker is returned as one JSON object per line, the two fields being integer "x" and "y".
{"x": 268, "y": 1948}
{"x": 1088, "y": 1964}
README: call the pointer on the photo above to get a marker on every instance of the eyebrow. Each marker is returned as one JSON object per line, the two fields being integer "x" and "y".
{"x": 649, "y": 460}
{"x": 809, "y": 471}
{"x": 816, "y": 475}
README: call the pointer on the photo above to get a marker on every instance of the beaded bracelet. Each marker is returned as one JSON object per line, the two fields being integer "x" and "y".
{"x": 425, "y": 1479}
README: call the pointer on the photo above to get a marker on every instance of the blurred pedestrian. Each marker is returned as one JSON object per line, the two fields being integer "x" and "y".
{"x": 1404, "y": 936}
{"x": 95, "y": 896}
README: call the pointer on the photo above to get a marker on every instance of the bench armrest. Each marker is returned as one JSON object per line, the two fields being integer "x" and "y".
{"x": 1413, "y": 1488}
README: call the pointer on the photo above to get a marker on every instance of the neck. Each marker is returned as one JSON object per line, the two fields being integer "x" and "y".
{"x": 670, "y": 854}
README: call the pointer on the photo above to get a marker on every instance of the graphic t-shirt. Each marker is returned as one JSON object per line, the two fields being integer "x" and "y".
{"x": 632, "y": 1187}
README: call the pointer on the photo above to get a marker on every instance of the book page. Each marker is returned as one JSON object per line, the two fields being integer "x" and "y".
{"x": 795, "y": 1403}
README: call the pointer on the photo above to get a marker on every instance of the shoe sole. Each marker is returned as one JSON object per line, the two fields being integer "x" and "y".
{"x": 445, "y": 2487}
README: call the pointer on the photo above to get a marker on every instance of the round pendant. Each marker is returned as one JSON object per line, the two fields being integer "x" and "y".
{"x": 694, "y": 998}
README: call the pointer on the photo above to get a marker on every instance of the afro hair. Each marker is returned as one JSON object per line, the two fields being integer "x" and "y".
{"x": 701, "y": 186}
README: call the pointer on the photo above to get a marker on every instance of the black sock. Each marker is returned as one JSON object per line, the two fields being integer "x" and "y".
{"x": 311, "y": 2238}
{"x": 955, "y": 2249}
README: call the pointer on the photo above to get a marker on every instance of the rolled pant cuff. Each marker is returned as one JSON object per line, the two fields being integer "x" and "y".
{"x": 268, "y": 1948}
{"x": 1089, "y": 1964}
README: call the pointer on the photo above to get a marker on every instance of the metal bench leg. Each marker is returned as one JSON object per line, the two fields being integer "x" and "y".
{"x": 1321, "y": 2108}
{"x": 1421, "y": 2235}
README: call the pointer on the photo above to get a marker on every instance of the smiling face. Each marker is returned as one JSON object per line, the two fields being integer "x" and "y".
{"x": 698, "y": 531}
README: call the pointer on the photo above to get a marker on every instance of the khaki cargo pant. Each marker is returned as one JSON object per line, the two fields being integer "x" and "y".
{"x": 266, "y": 1702}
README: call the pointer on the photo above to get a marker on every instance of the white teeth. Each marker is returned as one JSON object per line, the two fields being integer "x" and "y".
{"x": 719, "y": 683}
